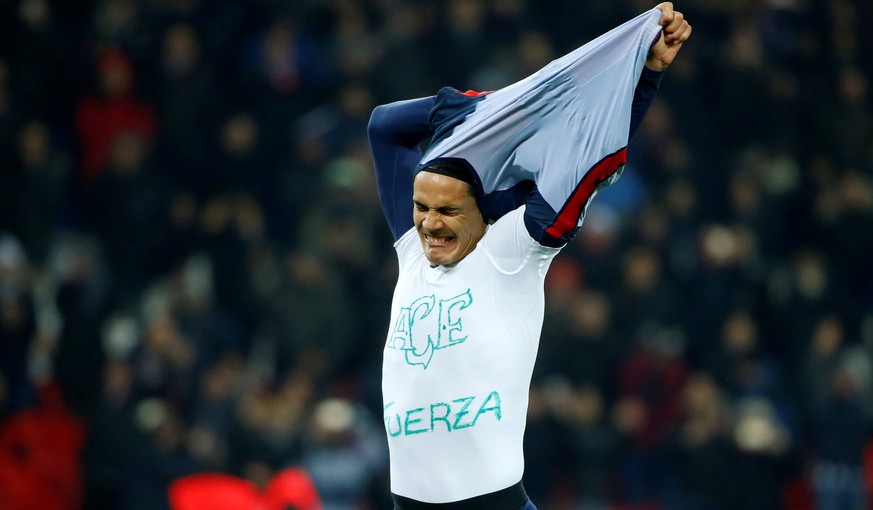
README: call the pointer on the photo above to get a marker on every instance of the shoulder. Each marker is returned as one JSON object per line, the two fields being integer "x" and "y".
{"x": 508, "y": 238}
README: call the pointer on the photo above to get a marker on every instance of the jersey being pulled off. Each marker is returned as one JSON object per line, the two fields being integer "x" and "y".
{"x": 458, "y": 361}
{"x": 462, "y": 341}
{"x": 564, "y": 127}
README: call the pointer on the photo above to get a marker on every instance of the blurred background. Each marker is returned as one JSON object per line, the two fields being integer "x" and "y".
{"x": 195, "y": 275}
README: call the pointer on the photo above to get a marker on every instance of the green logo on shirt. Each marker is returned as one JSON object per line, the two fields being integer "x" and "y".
{"x": 419, "y": 346}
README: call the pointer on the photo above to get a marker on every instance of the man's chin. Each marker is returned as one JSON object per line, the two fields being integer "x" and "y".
{"x": 438, "y": 259}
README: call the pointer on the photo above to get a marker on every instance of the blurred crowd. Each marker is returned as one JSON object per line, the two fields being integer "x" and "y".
{"x": 195, "y": 275}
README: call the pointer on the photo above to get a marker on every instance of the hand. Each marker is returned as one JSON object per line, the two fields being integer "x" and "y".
{"x": 675, "y": 32}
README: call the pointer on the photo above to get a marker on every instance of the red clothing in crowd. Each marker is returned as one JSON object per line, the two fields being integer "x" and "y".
{"x": 101, "y": 118}
{"x": 215, "y": 491}
{"x": 40, "y": 457}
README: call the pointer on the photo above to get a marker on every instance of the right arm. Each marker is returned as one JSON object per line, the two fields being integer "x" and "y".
{"x": 396, "y": 131}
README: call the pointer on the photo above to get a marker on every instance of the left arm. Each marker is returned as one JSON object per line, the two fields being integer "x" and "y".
{"x": 662, "y": 53}
{"x": 644, "y": 94}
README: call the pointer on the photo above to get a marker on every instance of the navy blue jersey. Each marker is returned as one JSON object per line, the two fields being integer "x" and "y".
{"x": 549, "y": 141}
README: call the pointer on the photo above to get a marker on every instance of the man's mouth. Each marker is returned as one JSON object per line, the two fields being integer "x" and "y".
{"x": 435, "y": 241}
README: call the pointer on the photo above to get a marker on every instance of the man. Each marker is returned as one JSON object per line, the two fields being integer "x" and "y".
{"x": 502, "y": 187}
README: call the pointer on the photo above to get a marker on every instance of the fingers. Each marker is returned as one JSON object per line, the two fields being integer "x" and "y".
{"x": 678, "y": 31}
{"x": 675, "y": 31}
{"x": 667, "y": 9}
{"x": 686, "y": 33}
{"x": 674, "y": 23}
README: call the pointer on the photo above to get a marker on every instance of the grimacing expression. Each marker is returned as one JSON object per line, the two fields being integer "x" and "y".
{"x": 446, "y": 217}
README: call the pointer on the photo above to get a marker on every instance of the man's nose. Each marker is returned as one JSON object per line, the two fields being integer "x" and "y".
{"x": 433, "y": 221}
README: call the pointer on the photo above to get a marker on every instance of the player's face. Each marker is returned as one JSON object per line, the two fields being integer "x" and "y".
{"x": 447, "y": 218}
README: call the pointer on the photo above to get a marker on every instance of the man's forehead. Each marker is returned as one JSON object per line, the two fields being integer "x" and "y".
{"x": 431, "y": 181}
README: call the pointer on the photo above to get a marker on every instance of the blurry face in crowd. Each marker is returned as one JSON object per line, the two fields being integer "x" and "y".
{"x": 446, "y": 217}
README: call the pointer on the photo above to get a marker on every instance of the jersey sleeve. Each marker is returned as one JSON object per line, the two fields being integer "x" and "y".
{"x": 395, "y": 132}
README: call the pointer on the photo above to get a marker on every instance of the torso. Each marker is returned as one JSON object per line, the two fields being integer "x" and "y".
{"x": 457, "y": 364}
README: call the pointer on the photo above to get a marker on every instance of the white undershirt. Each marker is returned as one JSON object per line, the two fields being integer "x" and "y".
{"x": 457, "y": 364}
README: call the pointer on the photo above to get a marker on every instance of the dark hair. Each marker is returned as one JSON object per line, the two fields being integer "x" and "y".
{"x": 456, "y": 168}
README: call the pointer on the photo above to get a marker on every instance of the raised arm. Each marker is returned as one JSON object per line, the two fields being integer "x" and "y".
{"x": 396, "y": 131}
{"x": 664, "y": 49}
{"x": 675, "y": 32}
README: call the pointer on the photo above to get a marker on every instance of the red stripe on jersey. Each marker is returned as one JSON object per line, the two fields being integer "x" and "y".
{"x": 569, "y": 216}
{"x": 473, "y": 93}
